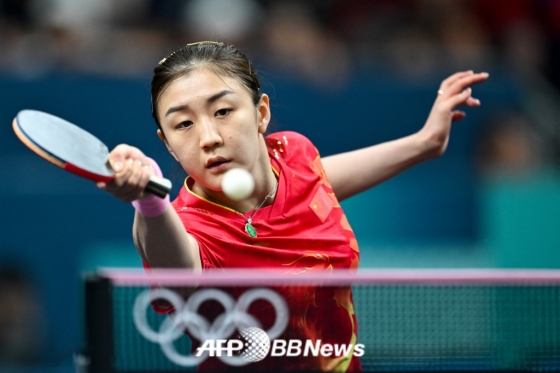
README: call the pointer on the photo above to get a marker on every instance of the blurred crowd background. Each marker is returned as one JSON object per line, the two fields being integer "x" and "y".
{"x": 415, "y": 37}
{"x": 345, "y": 73}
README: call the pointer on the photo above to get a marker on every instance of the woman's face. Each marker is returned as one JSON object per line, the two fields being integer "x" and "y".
{"x": 210, "y": 125}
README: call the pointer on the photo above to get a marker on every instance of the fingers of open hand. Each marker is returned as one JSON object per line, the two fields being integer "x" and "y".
{"x": 456, "y": 90}
{"x": 472, "y": 102}
{"x": 457, "y": 115}
{"x": 454, "y": 78}
{"x": 458, "y": 82}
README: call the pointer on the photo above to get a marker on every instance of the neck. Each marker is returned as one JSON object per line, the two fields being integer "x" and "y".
{"x": 264, "y": 185}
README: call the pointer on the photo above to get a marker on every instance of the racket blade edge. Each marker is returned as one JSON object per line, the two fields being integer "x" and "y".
{"x": 34, "y": 147}
{"x": 86, "y": 174}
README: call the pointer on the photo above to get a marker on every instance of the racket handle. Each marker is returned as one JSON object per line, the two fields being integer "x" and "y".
{"x": 158, "y": 186}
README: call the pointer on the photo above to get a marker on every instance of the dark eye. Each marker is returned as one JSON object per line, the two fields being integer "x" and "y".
{"x": 223, "y": 112}
{"x": 184, "y": 124}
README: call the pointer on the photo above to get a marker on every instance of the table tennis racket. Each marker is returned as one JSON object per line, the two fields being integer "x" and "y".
{"x": 72, "y": 148}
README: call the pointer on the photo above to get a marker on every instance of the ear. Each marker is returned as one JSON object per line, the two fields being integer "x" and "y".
{"x": 263, "y": 113}
{"x": 162, "y": 138}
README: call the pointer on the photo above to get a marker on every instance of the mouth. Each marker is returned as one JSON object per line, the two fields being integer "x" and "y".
{"x": 216, "y": 164}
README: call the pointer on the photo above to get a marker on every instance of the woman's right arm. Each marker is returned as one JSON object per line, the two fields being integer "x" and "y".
{"x": 163, "y": 242}
{"x": 158, "y": 233}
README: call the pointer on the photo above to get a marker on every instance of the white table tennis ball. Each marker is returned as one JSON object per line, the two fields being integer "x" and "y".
{"x": 238, "y": 184}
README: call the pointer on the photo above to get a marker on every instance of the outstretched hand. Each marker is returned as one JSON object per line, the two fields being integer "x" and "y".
{"x": 132, "y": 173}
{"x": 454, "y": 92}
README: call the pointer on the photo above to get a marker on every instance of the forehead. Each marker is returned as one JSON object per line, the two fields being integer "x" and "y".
{"x": 199, "y": 83}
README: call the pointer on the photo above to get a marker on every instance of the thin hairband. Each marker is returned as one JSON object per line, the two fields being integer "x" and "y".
{"x": 190, "y": 45}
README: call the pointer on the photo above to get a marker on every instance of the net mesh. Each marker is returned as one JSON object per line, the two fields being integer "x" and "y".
{"x": 411, "y": 326}
{"x": 459, "y": 327}
{"x": 132, "y": 352}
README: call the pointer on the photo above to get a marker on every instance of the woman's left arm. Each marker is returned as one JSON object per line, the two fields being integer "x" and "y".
{"x": 356, "y": 171}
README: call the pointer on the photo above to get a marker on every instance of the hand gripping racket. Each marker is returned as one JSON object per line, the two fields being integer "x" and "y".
{"x": 72, "y": 148}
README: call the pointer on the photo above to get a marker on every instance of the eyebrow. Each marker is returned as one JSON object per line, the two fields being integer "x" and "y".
{"x": 210, "y": 100}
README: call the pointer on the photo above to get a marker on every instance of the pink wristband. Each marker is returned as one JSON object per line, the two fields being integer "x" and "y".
{"x": 152, "y": 205}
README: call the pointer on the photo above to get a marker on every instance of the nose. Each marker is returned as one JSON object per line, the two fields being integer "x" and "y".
{"x": 209, "y": 135}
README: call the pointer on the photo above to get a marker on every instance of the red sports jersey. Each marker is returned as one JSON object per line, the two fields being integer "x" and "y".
{"x": 304, "y": 229}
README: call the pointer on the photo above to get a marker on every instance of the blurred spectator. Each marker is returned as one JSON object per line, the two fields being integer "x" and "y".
{"x": 104, "y": 37}
{"x": 101, "y": 37}
{"x": 465, "y": 43}
{"x": 412, "y": 52}
{"x": 379, "y": 33}
{"x": 233, "y": 21}
{"x": 516, "y": 31}
{"x": 22, "y": 330}
{"x": 298, "y": 44}
{"x": 511, "y": 146}
{"x": 524, "y": 50}
{"x": 414, "y": 38}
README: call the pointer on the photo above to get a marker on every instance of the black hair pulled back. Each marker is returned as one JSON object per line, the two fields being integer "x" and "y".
{"x": 224, "y": 59}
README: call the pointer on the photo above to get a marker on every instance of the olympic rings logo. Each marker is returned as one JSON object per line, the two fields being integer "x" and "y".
{"x": 186, "y": 318}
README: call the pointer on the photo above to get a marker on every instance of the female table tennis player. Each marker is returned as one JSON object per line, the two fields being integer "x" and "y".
{"x": 212, "y": 116}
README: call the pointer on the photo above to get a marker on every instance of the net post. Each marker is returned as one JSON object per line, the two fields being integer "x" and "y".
{"x": 99, "y": 324}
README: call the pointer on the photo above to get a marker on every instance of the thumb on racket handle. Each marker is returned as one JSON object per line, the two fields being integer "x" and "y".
{"x": 158, "y": 186}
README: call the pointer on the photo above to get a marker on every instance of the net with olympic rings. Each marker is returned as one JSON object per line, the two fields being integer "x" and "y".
{"x": 409, "y": 320}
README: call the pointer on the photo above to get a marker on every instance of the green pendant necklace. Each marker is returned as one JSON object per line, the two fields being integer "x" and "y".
{"x": 249, "y": 229}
